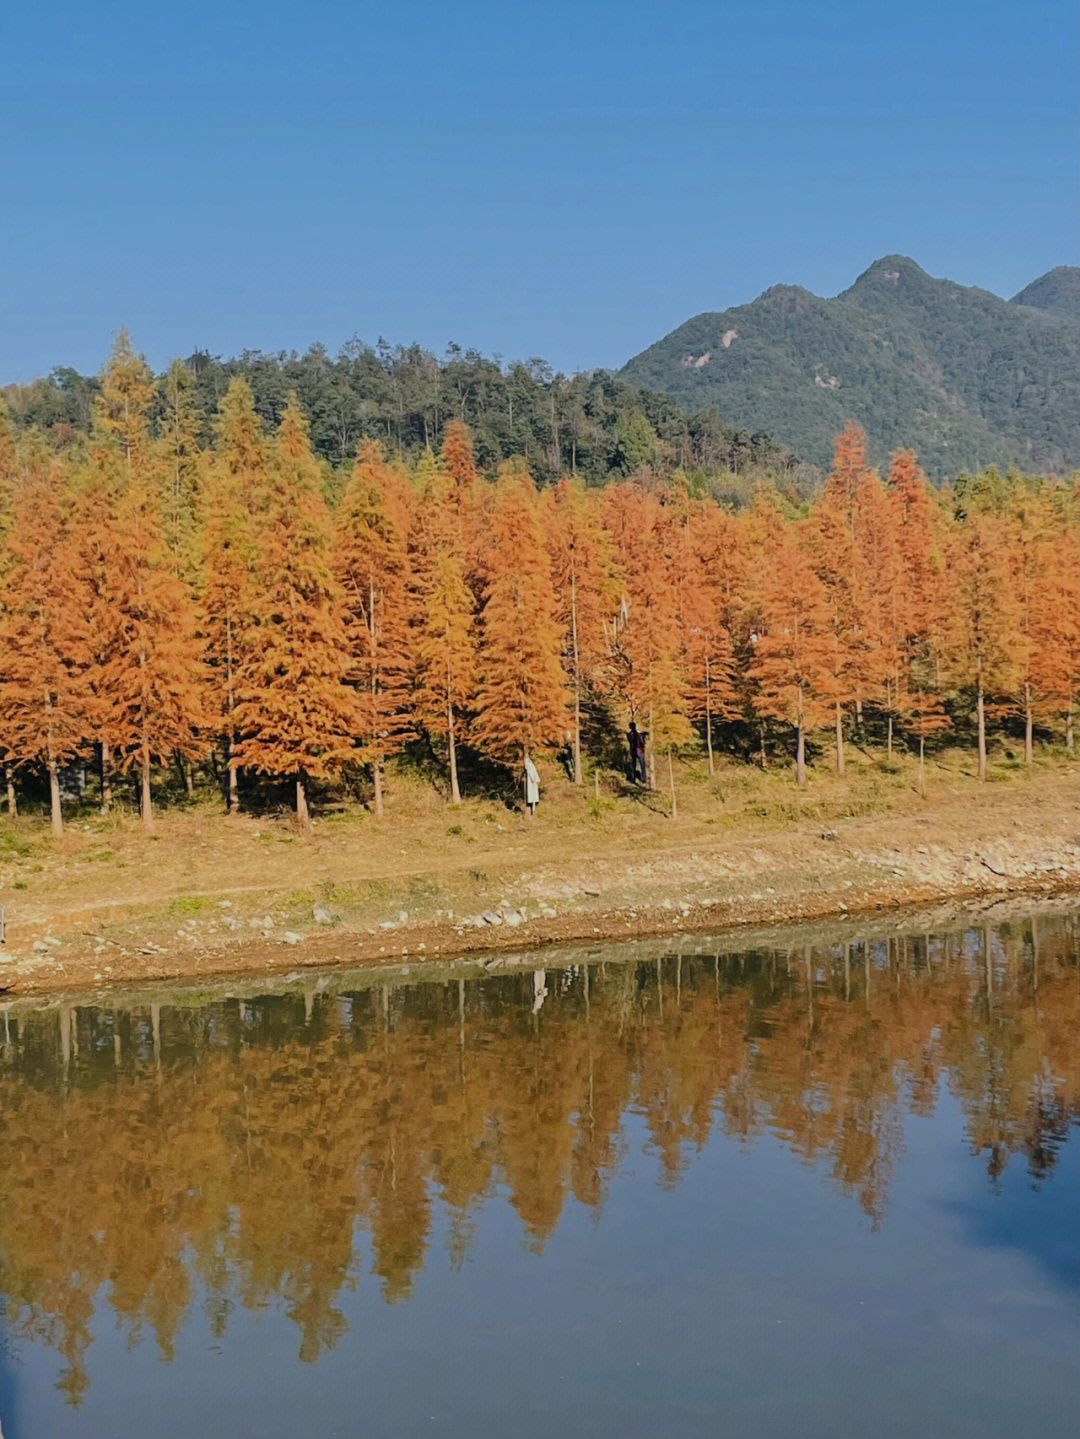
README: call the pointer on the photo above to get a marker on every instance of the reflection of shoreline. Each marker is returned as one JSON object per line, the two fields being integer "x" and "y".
{"x": 340, "y": 975}
{"x": 150, "y": 1147}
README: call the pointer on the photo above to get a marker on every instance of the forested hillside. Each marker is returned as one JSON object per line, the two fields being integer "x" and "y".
{"x": 967, "y": 378}
{"x": 1057, "y": 292}
{"x": 166, "y": 603}
{"x": 592, "y": 425}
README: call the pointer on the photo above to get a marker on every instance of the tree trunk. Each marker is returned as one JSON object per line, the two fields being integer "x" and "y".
{"x": 189, "y": 779}
{"x": 708, "y": 714}
{"x": 376, "y": 771}
{"x": 652, "y": 754}
{"x": 800, "y": 755}
{"x": 232, "y": 794}
{"x": 1027, "y": 725}
{"x": 106, "y": 779}
{"x": 55, "y": 815}
{"x": 9, "y": 780}
{"x": 888, "y": 746}
{"x": 922, "y": 765}
{"x": 981, "y": 712}
{"x": 145, "y": 807}
{"x": 455, "y": 792}
{"x": 1070, "y": 742}
{"x": 303, "y": 818}
{"x": 839, "y": 739}
{"x": 671, "y": 785}
{"x": 578, "y": 776}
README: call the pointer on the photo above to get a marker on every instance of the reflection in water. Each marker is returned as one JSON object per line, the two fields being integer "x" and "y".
{"x": 238, "y": 1149}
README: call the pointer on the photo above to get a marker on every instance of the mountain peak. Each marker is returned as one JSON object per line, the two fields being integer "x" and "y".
{"x": 891, "y": 268}
{"x": 891, "y": 274}
{"x": 1057, "y": 292}
{"x": 961, "y": 375}
{"x": 786, "y": 299}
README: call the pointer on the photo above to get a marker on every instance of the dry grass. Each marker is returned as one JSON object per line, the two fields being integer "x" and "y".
{"x": 423, "y": 856}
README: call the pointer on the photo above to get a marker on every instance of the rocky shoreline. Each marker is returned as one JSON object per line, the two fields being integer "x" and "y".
{"x": 805, "y": 874}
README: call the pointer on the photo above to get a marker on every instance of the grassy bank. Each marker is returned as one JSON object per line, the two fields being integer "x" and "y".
{"x": 205, "y": 894}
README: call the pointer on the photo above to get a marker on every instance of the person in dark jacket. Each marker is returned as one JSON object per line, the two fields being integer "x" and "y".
{"x": 639, "y": 758}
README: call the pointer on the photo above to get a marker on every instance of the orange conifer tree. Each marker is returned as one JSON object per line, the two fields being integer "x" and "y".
{"x": 980, "y": 652}
{"x": 294, "y": 714}
{"x": 149, "y": 670}
{"x": 8, "y": 476}
{"x": 96, "y": 487}
{"x": 650, "y": 656}
{"x": 838, "y": 564}
{"x": 371, "y": 570}
{"x": 473, "y": 502}
{"x": 700, "y": 569}
{"x": 152, "y": 685}
{"x": 878, "y": 658}
{"x": 123, "y": 406}
{"x": 1054, "y": 668}
{"x": 915, "y": 606}
{"x": 44, "y": 638}
{"x": 457, "y": 456}
{"x": 794, "y": 650}
{"x": 521, "y": 696}
{"x": 925, "y": 716}
{"x": 848, "y": 471}
{"x": 234, "y": 484}
{"x": 178, "y": 460}
{"x": 8, "y": 468}
{"x": 444, "y": 642}
{"x": 581, "y": 578}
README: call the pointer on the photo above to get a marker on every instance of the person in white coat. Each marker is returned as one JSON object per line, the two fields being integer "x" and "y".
{"x": 532, "y": 785}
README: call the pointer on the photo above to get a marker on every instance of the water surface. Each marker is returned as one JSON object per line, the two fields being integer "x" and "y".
{"x": 824, "y": 1187}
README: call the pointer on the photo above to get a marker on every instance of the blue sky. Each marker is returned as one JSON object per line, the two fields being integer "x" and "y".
{"x": 563, "y": 180}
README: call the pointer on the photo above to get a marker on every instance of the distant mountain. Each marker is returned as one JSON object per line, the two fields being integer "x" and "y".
{"x": 963, "y": 376}
{"x": 1057, "y": 292}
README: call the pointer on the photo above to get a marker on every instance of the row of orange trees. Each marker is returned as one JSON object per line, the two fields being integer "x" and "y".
{"x": 161, "y": 601}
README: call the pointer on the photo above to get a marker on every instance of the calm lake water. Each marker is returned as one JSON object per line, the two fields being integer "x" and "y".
{"x": 827, "y": 1186}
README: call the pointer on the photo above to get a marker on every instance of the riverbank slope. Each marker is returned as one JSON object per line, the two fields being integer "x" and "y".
{"x": 208, "y": 895}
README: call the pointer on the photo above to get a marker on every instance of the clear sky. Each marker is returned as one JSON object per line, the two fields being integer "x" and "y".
{"x": 562, "y": 180}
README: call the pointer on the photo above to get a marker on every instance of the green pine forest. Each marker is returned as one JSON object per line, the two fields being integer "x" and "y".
{"x": 594, "y": 425}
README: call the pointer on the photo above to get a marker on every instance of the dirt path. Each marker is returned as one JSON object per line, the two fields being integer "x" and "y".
{"x": 210, "y": 896}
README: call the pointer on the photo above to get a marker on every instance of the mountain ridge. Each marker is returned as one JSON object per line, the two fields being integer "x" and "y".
{"x": 960, "y": 374}
{"x": 1057, "y": 292}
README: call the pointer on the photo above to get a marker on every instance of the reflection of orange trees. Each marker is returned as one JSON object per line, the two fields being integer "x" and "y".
{"x": 239, "y": 1148}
